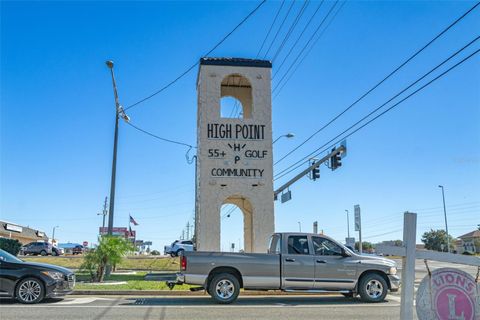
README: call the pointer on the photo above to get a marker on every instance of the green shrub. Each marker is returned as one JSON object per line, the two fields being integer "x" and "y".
{"x": 10, "y": 245}
{"x": 110, "y": 251}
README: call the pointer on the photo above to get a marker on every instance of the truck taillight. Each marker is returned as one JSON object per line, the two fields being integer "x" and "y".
{"x": 183, "y": 263}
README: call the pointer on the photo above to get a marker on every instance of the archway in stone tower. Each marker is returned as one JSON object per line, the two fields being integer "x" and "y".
{"x": 236, "y": 224}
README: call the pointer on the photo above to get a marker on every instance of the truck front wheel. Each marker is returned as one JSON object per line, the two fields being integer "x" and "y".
{"x": 224, "y": 288}
{"x": 372, "y": 288}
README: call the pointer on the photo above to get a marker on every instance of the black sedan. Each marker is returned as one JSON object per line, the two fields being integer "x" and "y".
{"x": 30, "y": 282}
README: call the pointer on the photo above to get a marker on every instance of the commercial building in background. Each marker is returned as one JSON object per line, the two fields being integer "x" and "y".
{"x": 469, "y": 242}
{"x": 21, "y": 233}
{"x": 119, "y": 231}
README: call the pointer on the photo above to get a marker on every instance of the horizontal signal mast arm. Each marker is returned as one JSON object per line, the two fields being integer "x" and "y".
{"x": 306, "y": 171}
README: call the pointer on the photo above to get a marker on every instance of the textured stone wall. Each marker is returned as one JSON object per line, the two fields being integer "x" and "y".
{"x": 241, "y": 172}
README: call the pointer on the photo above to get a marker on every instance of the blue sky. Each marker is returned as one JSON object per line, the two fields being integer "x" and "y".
{"x": 57, "y": 113}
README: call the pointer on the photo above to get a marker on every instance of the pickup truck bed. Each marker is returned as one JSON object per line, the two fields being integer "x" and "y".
{"x": 258, "y": 270}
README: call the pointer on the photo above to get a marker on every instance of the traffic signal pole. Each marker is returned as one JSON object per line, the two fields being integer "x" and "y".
{"x": 335, "y": 152}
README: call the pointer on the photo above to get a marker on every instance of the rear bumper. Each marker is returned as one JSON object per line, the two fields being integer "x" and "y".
{"x": 180, "y": 278}
{"x": 394, "y": 282}
{"x": 188, "y": 279}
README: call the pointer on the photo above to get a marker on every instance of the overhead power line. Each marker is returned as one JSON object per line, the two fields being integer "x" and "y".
{"x": 270, "y": 29}
{"x": 290, "y": 30}
{"x": 298, "y": 38}
{"x": 306, "y": 45}
{"x": 379, "y": 83}
{"x": 160, "y": 138}
{"x": 309, "y": 50}
{"x": 278, "y": 30}
{"x": 196, "y": 63}
{"x": 300, "y": 162}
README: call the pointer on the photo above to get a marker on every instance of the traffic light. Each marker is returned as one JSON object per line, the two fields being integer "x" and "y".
{"x": 315, "y": 173}
{"x": 335, "y": 160}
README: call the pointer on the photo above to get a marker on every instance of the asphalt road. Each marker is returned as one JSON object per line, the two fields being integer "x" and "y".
{"x": 247, "y": 307}
{"x": 202, "y": 307}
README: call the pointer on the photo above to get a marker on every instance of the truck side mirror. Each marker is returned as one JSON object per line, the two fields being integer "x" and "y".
{"x": 345, "y": 253}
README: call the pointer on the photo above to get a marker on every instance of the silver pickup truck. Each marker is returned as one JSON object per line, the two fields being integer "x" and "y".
{"x": 295, "y": 262}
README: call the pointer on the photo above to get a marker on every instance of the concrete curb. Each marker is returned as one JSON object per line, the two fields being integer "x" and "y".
{"x": 187, "y": 293}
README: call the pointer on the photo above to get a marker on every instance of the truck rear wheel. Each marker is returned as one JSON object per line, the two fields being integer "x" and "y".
{"x": 224, "y": 288}
{"x": 372, "y": 288}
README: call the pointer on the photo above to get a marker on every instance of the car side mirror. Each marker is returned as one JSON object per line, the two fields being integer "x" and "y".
{"x": 345, "y": 253}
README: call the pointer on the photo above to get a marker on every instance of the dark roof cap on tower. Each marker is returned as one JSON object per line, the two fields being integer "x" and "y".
{"x": 236, "y": 62}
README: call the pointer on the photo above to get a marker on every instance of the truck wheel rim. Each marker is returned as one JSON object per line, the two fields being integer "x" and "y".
{"x": 224, "y": 289}
{"x": 374, "y": 288}
{"x": 29, "y": 291}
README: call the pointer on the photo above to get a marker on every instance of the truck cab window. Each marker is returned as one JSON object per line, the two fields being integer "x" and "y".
{"x": 274, "y": 246}
{"x": 325, "y": 247}
{"x": 298, "y": 245}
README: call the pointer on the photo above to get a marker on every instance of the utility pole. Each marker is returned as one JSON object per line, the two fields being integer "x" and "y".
{"x": 114, "y": 161}
{"x": 358, "y": 226}
{"x": 445, "y": 214}
{"x": 188, "y": 230}
{"x": 104, "y": 212}
{"x": 299, "y": 226}
{"x": 119, "y": 112}
{"x": 348, "y": 225}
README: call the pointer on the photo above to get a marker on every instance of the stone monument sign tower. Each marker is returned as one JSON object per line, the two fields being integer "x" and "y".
{"x": 234, "y": 163}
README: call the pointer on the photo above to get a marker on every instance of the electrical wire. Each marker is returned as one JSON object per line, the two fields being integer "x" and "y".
{"x": 395, "y": 96}
{"x": 281, "y": 174}
{"x": 196, "y": 63}
{"x": 270, "y": 29}
{"x": 309, "y": 50}
{"x": 298, "y": 38}
{"x": 290, "y": 30}
{"x": 380, "y": 82}
{"x": 305, "y": 46}
{"x": 278, "y": 30}
{"x": 160, "y": 138}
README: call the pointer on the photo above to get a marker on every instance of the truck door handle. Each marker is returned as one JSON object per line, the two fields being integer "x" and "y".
{"x": 290, "y": 260}
{"x": 321, "y": 261}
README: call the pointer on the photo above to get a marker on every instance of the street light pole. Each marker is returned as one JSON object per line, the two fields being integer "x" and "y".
{"x": 288, "y": 135}
{"x": 348, "y": 225}
{"x": 114, "y": 161}
{"x": 53, "y": 234}
{"x": 445, "y": 215}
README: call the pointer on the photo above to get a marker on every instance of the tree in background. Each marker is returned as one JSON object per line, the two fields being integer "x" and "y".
{"x": 155, "y": 253}
{"x": 110, "y": 251}
{"x": 366, "y": 246}
{"x": 12, "y": 246}
{"x": 437, "y": 240}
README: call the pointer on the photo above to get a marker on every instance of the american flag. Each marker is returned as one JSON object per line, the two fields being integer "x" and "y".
{"x": 133, "y": 221}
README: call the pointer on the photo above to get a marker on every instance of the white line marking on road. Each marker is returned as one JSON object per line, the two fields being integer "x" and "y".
{"x": 389, "y": 305}
{"x": 80, "y": 301}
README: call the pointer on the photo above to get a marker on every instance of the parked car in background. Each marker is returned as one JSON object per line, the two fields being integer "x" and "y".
{"x": 179, "y": 247}
{"x": 37, "y": 248}
{"x": 78, "y": 249}
{"x": 56, "y": 251}
{"x": 30, "y": 282}
{"x": 295, "y": 262}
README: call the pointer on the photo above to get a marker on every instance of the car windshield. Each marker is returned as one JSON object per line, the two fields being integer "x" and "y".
{"x": 7, "y": 257}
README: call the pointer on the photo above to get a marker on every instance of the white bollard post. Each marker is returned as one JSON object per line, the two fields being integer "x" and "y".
{"x": 408, "y": 265}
